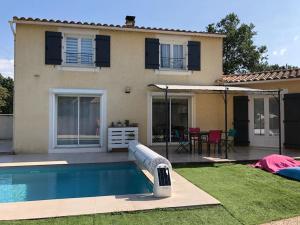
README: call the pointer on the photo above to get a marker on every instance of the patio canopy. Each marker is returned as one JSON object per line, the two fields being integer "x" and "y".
{"x": 213, "y": 88}
{"x": 217, "y": 90}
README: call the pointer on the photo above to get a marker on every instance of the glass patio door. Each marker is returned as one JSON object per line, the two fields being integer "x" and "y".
{"x": 178, "y": 118}
{"x": 264, "y": 115}
{"x": 78, "y": 121}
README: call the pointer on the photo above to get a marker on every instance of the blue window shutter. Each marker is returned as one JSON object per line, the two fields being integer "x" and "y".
{"x": 102, "y": 51}
{"x": 194, "y": 52}
{"x": 53, "y": 48}
{"x": 151, "y": 53}
{"x": 291, "y": 120}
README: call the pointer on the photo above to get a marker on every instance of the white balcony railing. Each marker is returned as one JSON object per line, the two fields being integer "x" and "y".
{"x": 173, "y": 63}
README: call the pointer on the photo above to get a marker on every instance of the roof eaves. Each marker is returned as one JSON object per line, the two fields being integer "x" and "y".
{"x": 52, "y": 22}
{"x": 264, "y": 76}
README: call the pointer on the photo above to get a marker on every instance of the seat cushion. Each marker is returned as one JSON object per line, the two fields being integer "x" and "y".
{"x": 292, "y": 173}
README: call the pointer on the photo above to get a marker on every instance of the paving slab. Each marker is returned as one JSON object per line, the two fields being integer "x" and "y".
{"x": 290, "y": 221}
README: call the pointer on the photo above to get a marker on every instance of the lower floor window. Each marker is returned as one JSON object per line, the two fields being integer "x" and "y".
{"x": 78, "y": 120}
{"x": 178, "y": 109}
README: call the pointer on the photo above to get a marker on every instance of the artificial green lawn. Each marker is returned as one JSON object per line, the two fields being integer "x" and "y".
{"x": 206, "y": 215}
{"x": 248, "y": 196}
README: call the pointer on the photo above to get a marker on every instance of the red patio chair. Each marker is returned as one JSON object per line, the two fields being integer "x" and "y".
{"x": 214, "y": 138}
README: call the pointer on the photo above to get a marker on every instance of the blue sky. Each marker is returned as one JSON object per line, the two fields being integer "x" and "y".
{"x": 277, "y": 22}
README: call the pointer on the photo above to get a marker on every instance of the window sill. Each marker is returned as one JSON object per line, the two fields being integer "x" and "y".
{"x": 173, "y": 72}
{"x": 78, "y": 68}
{"x": 75, "y": 149}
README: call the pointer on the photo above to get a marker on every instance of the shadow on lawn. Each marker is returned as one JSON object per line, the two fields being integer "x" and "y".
{"x": 211, "y": 164}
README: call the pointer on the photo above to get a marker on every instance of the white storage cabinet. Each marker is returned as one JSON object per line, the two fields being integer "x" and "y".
{"x": 119, "y": 137}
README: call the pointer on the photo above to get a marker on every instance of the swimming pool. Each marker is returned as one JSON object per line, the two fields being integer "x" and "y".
{"x": 71, "y": 181}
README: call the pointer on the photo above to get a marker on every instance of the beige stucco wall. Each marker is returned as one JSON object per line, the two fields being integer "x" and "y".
{"x": 209, "y": 111}
{"x": 292, "y": 86}
{"x": 33, "y": 79}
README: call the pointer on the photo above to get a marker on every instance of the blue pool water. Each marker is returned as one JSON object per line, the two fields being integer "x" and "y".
{"x": 71, "y": 181}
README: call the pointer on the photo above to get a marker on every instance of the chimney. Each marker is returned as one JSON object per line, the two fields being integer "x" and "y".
{"x": 129, "y": 21}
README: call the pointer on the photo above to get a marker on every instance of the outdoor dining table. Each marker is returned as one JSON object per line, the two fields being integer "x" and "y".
{"x": 197, "y": 137}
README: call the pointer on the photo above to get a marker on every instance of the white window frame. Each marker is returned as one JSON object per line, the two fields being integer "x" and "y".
{"x": 53, "y": 147}
{"x": 79, "y": 37}
{"x": 185, "y": 55}
{"x": 191, "y": 116}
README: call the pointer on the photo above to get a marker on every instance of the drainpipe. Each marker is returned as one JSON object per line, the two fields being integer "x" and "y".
{"x": 226, "y": 133}
{"x": 167, "y": 122}
{"x": 11, "y": 24}
{"x": 13, "y": 30}
{"x": 279, "y": 121}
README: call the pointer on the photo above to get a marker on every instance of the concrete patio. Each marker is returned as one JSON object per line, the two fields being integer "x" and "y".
{"x": 238, "y": 154}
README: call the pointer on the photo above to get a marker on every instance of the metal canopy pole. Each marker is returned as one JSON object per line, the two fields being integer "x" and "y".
{"x": 226, "y": 133}
{"x": 279, "y": 121}
{"x": 167, "y": 123}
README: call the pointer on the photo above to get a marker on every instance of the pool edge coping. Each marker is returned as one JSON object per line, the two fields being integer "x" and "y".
{"x": 117, "y": 203}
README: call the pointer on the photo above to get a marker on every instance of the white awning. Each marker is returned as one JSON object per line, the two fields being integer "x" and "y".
{"x": 212, "y": 88}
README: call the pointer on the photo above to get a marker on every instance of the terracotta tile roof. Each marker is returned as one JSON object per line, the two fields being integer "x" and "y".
{"x": 260, "y": 76}
{"x": 157, "y": 29}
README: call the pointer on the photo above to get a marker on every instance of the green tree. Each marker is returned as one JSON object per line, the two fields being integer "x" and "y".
{"x": 6, "y": 94}
{"x": 3, "y": 96}
{"x": 268, "y": 67}
{"x": 240, "y": 53}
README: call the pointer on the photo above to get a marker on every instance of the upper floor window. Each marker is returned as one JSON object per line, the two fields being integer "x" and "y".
{"x": 169, "y": 56}
{"x": 79, "y": 51}
{"x": 172, "y": 56}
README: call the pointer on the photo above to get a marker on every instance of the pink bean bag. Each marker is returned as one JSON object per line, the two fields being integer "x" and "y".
{"x": 273, "y": 163}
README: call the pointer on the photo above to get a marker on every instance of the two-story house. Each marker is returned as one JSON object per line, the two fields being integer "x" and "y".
{"x": 73, "y": 79}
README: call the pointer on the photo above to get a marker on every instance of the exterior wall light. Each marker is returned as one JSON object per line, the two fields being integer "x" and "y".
{"x": 127, "y": 90}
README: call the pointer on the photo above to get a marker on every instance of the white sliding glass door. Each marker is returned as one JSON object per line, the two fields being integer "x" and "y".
{"x": 78, "y": 121}
{"x": 179, "y": 113}
{"x": 67, "y": 120}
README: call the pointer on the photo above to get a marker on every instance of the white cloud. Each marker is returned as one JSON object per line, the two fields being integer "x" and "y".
{"x": 7, "y": 67}
{"x": 279, "y": 52}
{"x": 282, "y": 51}
{"x": 296, "y": 38}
